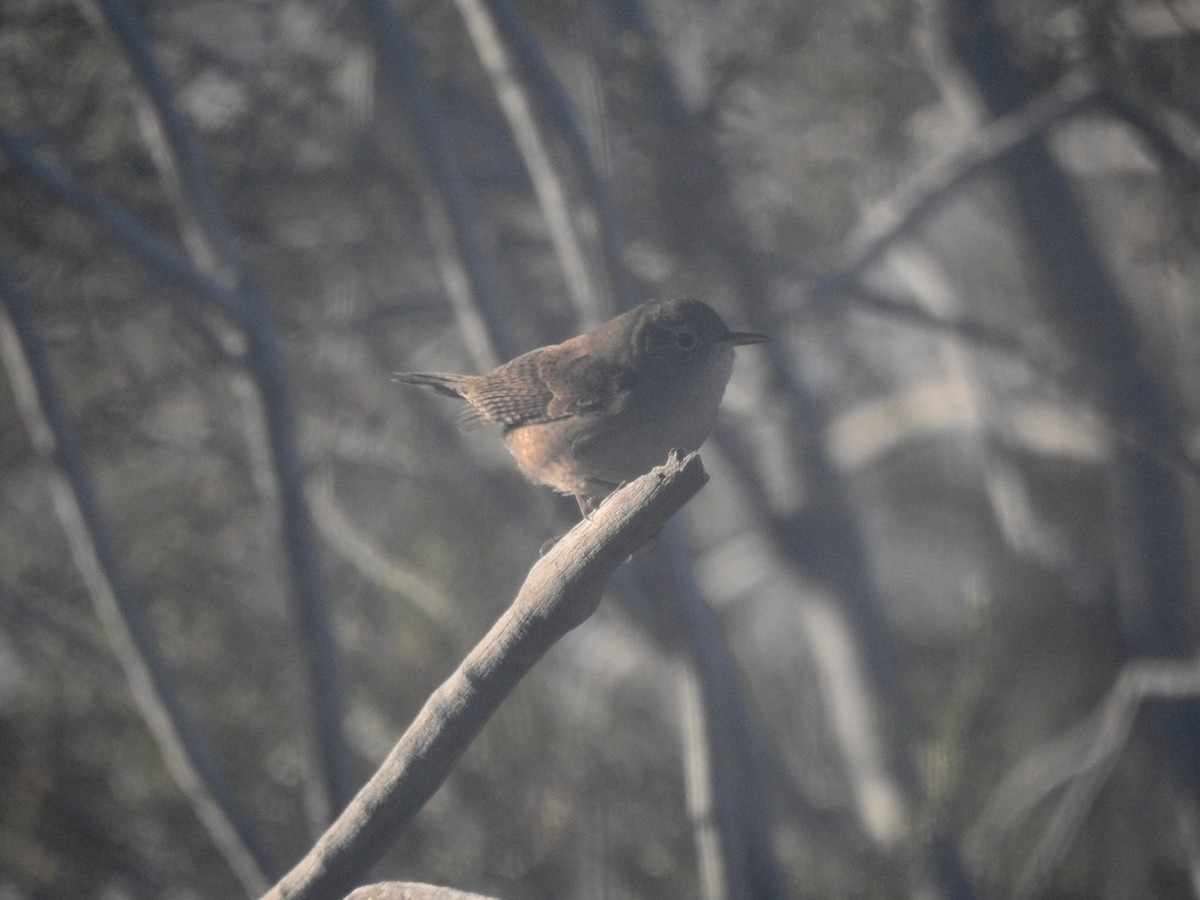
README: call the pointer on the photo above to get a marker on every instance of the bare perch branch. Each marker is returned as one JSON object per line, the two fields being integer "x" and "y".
{"x": 561, "y": 591}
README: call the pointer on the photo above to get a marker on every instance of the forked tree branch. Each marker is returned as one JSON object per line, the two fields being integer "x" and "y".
{"x": 561, "y": 591}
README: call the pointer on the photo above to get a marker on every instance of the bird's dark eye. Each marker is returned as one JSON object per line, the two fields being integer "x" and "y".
{"x": 685, "y": 339}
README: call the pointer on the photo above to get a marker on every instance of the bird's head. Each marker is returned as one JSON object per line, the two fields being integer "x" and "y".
{"x": 681, "y": 332}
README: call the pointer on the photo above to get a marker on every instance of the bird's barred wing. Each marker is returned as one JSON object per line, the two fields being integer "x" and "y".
{"x": 541, "y": 387}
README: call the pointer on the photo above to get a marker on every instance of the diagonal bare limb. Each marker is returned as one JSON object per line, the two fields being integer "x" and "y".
{"x": 561, "y": 591}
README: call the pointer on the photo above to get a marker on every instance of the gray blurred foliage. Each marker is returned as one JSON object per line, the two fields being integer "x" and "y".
{"x": 978, "y": 472}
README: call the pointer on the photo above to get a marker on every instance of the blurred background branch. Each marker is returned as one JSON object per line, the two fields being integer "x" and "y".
{"x": 213, "y": 248}
{"x": 1076, "y": 765}
{"x": 98, "y": 561}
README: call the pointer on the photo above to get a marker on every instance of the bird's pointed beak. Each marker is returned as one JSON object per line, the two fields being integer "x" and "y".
{"x": 738, "y": 338}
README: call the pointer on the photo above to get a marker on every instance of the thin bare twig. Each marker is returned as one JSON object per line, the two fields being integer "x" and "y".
{"x": 369, "y": 560}
{"x": 912, "y": 204}
{"x": 562, "y": 590}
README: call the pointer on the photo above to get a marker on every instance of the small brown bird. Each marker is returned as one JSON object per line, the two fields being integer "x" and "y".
{"x": 600, "y": 409}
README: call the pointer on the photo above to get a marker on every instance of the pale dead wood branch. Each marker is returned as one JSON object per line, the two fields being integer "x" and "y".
{"x": 562, "y": 589}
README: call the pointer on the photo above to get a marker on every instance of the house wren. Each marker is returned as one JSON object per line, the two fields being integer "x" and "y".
{"x": 600, "y": 409}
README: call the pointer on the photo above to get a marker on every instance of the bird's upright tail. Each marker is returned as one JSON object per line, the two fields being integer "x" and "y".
{"x": 442, "y": 382}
